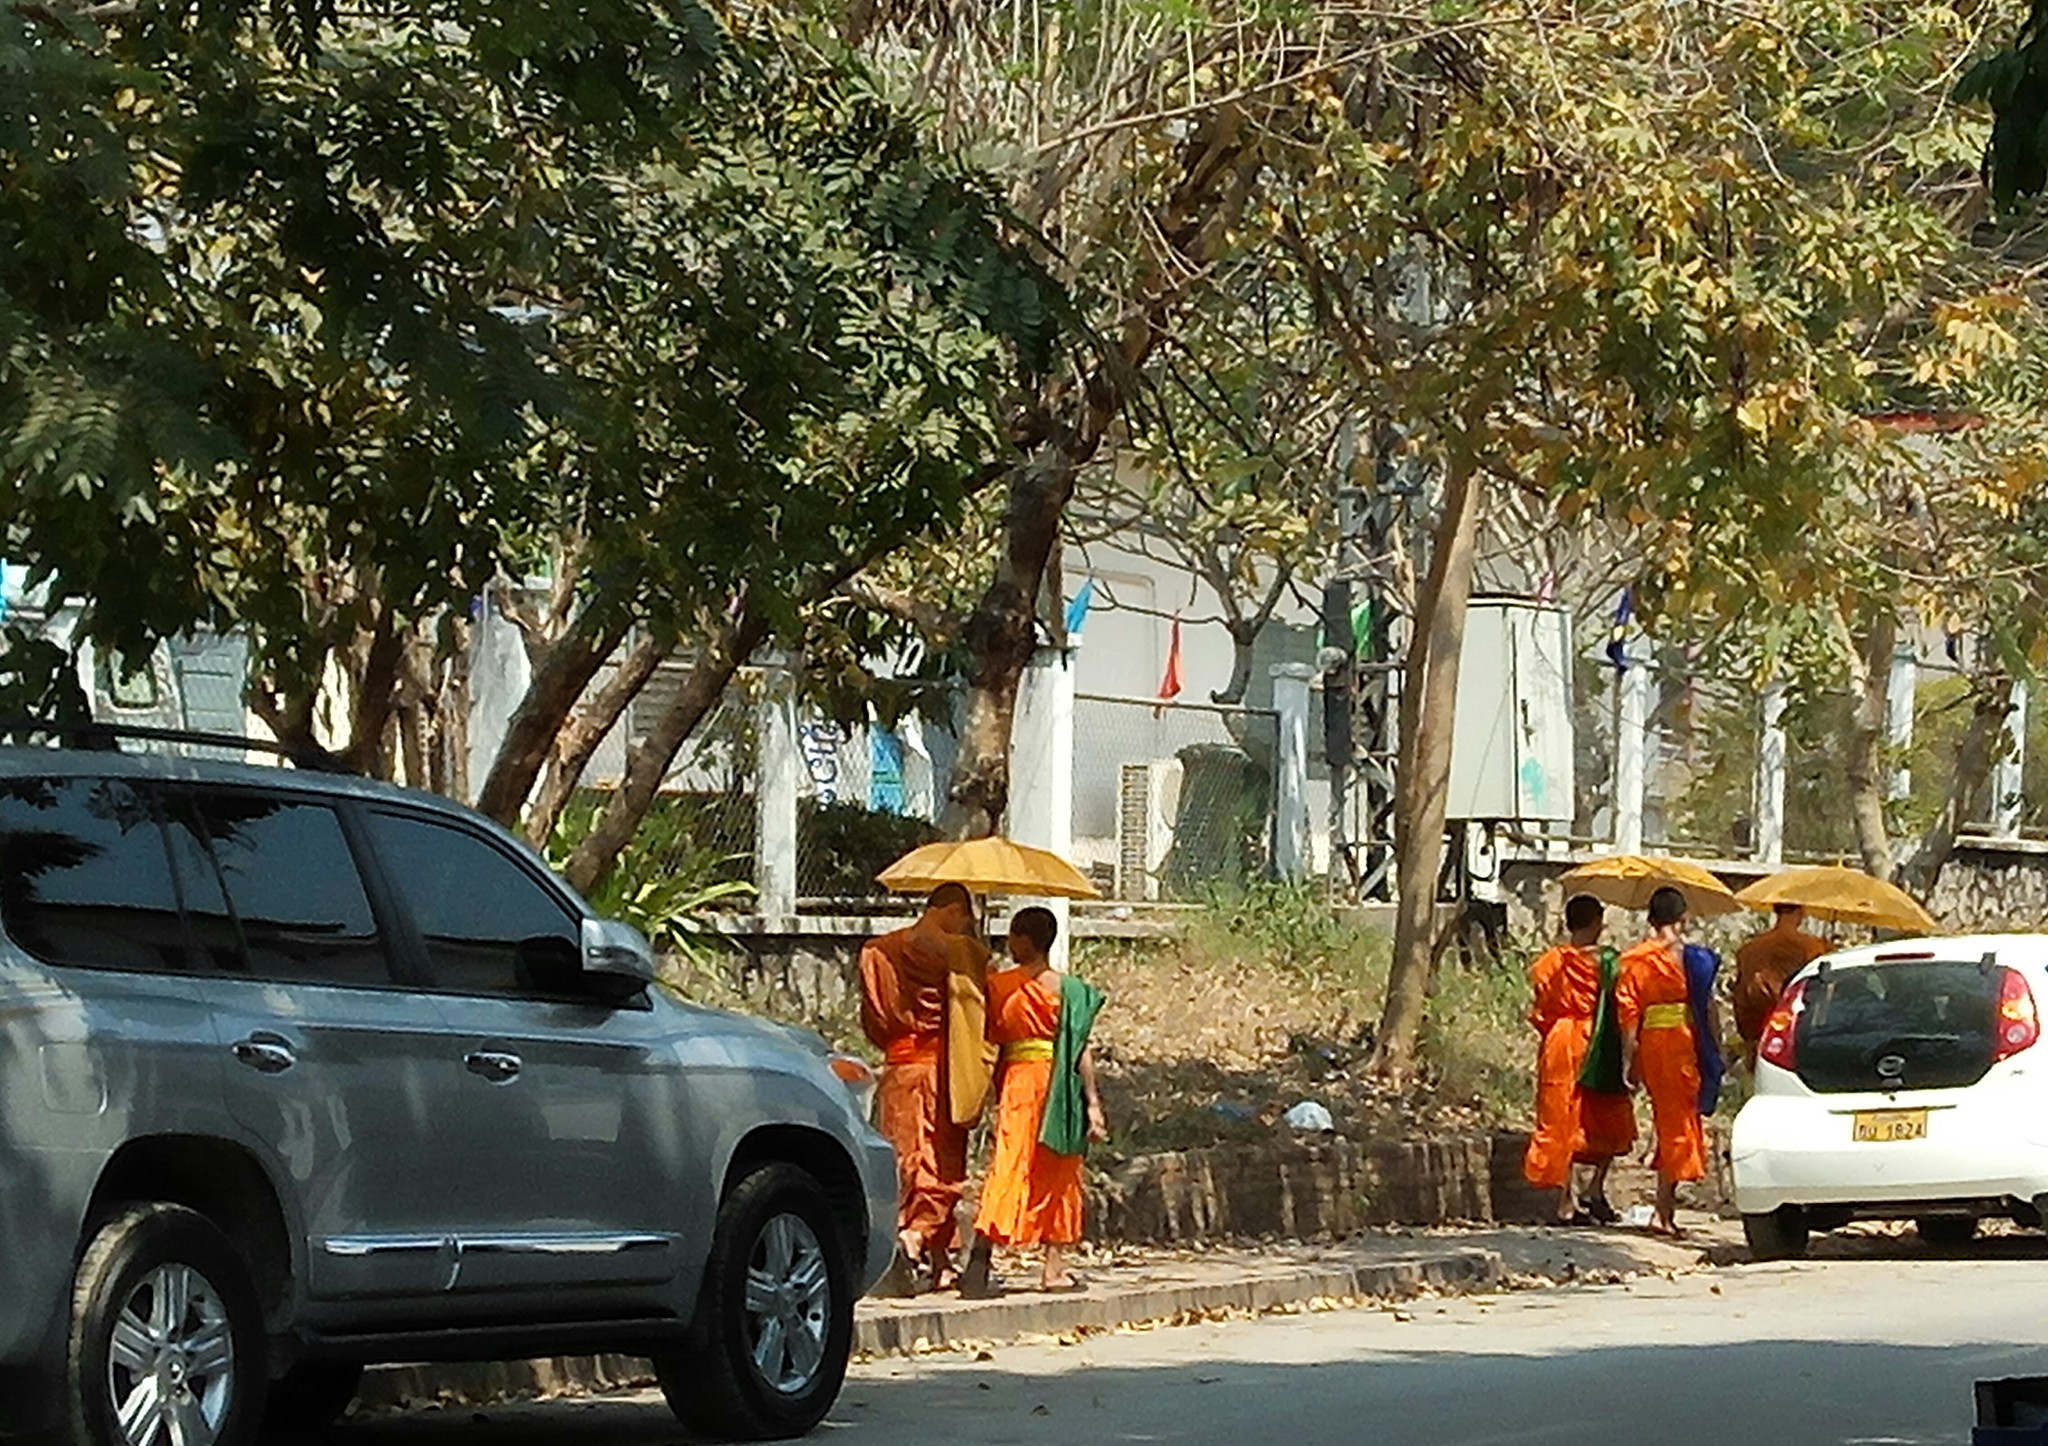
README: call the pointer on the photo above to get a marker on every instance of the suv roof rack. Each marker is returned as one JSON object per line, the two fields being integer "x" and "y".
{"x": 90, "y": 733}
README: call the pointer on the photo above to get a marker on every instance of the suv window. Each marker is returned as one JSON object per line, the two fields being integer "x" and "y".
{"x": 278, "y": 872}
{"x": 489, "y": 926}
{"x": 83, "y": 876}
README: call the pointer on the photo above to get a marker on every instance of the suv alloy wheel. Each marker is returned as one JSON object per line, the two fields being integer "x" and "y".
{"x": 774, "y": 1325}
{"x": 167, "y": 1344}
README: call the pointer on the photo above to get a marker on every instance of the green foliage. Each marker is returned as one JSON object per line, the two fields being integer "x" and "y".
{"x": 312, "y": 321}
{"x": 2014, "y": 83}
{"x": 844, "y": 846}
{"x": 1288, "y": 927}
{"x": 667, "y": 880}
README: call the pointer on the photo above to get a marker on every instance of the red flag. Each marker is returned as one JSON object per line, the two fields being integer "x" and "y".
{"x": 1169, "y": 686}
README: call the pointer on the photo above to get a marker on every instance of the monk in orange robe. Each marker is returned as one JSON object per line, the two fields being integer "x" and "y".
{"x": 916, "y": 986}
{"x": 1764, "y": 966}
{"x": 1654, "y": 1004}
{"x": 1033, "y": 1194}
{"x": 1574, "y": 1125}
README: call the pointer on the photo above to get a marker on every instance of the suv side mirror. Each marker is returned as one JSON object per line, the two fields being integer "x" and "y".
{"x": 617, "y": 954}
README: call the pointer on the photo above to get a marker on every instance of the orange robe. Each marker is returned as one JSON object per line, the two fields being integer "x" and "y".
{"x": 906, "y": 980}
{"x": 1763, "y": 967}
{"x": 1573, "y": 1125}
{"x": 1032, "y": 1195}
{"x": 1651, "y": 996}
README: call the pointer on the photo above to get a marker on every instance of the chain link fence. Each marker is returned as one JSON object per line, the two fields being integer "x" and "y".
{"x": 1172, "y": 801}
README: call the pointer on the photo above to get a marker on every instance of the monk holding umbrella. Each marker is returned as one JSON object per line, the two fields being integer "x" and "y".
{"x": 1840, "y": 895}
{"x": 924, "y": 993}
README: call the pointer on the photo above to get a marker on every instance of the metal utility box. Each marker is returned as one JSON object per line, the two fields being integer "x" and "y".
{"x": 1511, "y": 755}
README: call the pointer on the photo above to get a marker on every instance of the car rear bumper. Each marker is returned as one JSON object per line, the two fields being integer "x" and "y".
{"x": 1800, "y": 1150}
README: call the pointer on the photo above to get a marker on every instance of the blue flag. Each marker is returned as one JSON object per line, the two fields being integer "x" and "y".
{"x": 1617, "y": 637}
{"x": 1077, "y": 610}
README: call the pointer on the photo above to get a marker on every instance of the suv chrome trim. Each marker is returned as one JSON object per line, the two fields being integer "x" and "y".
{"x": 563, "y": 1244}
{"x": 359, "y": 1247}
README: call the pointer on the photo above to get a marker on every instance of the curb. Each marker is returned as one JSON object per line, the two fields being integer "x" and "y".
{"x": 914, "y": 1331}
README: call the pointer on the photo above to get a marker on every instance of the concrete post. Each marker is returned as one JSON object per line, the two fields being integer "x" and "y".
{"x": 1770, "y": 774}
{"x": 2008, "y": 799}
{"x": 1042, "y": 770}
{"x": 499, "y": 675}
{"x": 1632, "y": 754}
{"x": 1291, "y": 700}
{"x": 778, "y": 780}
{"x": 1900, "y": 697}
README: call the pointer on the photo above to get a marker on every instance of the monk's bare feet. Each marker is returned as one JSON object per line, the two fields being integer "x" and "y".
{"x": 1061, "y": 1282}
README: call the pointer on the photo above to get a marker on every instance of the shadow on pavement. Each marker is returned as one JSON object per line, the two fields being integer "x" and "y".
{"x": 1799, "y": 1393}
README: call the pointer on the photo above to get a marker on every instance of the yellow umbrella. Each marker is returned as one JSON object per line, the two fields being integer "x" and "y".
{"x": 988, "y": 866}
{"x": 1627, "y": 880}
{"x": 1843, "y": 896}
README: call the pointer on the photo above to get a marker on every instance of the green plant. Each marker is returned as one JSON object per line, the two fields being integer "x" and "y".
{"x": 666, "y": 882}
{"x": 843, "y": 846}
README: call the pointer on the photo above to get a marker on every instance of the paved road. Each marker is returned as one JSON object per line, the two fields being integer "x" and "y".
{"x": 1877, "y": 1350}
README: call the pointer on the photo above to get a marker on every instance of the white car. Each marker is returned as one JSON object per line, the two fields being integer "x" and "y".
{"x": 1904, "y": 1081}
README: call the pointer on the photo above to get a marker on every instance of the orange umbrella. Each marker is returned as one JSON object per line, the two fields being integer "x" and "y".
{"x": 1843, "y": 896}
{"x": 988, "y": 866}
{"x": 1627, "y": 880}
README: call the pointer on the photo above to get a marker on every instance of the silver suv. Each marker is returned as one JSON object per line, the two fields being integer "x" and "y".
{"x": 300, "y": 1072}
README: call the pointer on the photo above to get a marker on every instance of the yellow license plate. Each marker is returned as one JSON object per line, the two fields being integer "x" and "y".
{"x": 1881, "y": 1125}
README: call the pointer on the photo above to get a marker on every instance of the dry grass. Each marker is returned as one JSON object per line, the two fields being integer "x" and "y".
{"x": 1268, "y": 1000}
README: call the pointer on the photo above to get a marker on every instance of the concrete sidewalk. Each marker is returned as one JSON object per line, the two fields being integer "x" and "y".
{"x": 1142, "y": 1285}
{"x": 1125, "y": 1287}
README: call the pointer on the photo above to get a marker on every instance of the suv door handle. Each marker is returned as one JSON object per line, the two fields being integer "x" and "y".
{"x": 266, "y": 1054}
{"x": 493, "y": 1064}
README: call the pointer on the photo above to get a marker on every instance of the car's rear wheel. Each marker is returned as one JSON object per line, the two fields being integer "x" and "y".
{"x": 166, "y": 1345}
{"x": 1780, "y": 1234}
{"x": 311, "y": 1394}
{"x": 1946, "y": 1232}
{"x": 774, "y": 1323}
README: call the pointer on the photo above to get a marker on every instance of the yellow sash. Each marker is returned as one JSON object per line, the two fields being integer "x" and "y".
{"x": 1665, "y": 1016}
{"x": 1018, "y": 1050}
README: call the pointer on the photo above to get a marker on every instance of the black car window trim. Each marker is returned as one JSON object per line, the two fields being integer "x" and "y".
{"x": 539, "y": 877}
{"x": 190, "y": 792}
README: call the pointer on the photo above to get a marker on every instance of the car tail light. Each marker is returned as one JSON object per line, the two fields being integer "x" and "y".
{"x": 1780, "y": 1042}
{"x": 2019, "y": 1025}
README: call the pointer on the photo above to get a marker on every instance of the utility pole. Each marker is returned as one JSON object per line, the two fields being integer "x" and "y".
{"x": 1362, "y": 688}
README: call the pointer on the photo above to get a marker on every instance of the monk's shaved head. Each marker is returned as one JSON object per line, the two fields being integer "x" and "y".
{"x": 1583, "y": 911}
{"x": 949, "y": 896}
{"x": 1667, "y": 906}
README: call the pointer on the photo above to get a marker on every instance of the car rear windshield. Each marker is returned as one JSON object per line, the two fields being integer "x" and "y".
{"x": 1918, "y": 1024}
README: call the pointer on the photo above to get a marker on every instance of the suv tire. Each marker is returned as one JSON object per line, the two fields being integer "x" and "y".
{"x": 1946, "y": 1232}
{"x": 1779, "y": 1235}
{"x": 766, "y": 1363}
{"x": 311, "y": 1394}
{"x": 162, "y": 1307}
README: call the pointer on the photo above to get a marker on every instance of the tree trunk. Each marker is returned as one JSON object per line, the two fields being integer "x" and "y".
{"x": 1429, "y": 698}
{"x": 376, "y": 696}
{"x": 1991, "y": 701}
{"x": 1244, "y": 637}
{"x": 1869, "y": 775}
{"x": 581, "y": 735}
{"x": 1001, "y": 636}
{"x": 564, "y": 671}
{"x": 1219, "y": 165}
{"x": 649, "y": 761}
